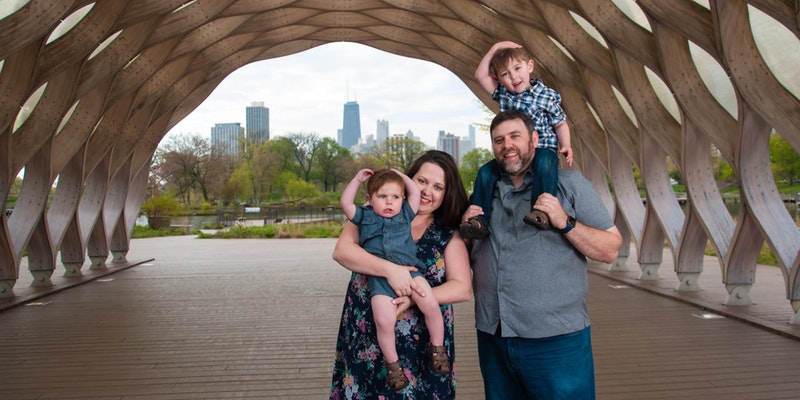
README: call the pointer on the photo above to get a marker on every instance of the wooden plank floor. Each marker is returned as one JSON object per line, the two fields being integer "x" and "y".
{"x": 257, "y": 319}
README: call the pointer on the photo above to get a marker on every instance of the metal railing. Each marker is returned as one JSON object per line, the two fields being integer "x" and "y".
{"x": 278, "y": 215}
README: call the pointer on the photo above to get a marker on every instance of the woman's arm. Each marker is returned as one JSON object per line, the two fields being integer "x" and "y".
{"x": 352, "y": 256}
{"x": 457, "y": 271}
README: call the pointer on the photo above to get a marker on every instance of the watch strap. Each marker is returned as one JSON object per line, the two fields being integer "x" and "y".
{"x": 570, "y": 224}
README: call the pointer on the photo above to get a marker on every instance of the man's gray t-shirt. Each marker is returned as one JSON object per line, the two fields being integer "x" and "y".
{"x": 532, "y": 280}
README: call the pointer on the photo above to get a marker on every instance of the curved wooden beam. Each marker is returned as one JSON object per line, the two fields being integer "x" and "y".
{"x": 106, "y": 107}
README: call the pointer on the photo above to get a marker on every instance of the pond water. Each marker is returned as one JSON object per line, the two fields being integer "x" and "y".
{"x": 200, "y": 221}
{"x": 197, "y": 221}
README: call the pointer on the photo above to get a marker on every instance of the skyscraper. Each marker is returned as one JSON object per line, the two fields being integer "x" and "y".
{"x": 382, "y": 131}
{"x": 226, "y": 137}
{"x": 449, "y": 144}
{"x": 472, "y": 133}
{"x": 351, "y": 125}
{"x": 257, "y": 120}
{"x": 467, "y": 144}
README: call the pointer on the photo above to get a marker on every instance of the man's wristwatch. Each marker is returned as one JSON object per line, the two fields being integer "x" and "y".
{"x": 570, "y": 224}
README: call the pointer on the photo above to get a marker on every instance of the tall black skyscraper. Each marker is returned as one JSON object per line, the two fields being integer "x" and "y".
{"x": 257, "y": 118}
{"x": 351, "y": 125}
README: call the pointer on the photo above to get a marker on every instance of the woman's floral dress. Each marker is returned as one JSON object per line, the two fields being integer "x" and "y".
{"x": 358, "y": 369}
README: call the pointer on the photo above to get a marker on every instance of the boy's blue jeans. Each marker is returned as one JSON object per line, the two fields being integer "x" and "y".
{"x": 559, "y": 367}
{"x": 545, "y": 180}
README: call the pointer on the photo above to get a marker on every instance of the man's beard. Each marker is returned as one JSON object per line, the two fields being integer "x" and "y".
{"x": 515, "y": 167}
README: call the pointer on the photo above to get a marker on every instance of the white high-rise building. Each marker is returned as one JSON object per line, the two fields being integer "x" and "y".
{"x": 227, "y": 137}
{"x": 450, "y": 144}
{"x": 382, "y": 131}
{"x": 257, "y": 120}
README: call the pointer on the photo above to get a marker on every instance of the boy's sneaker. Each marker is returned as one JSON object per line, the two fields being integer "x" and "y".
{"x": 473, "y": 229}
{"x": 538, "y": 219}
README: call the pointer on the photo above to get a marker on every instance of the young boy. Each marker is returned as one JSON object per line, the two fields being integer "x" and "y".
{"x": 505, "y": 72}
{"x": 384, "y": 229}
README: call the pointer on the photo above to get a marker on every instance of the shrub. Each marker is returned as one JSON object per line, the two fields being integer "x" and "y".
{"x": 286, "y": 231}
{"x": 159, "y": 210}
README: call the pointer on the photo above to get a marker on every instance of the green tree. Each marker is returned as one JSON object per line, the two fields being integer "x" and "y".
{"x": 189, "y": 164}
{"x": 723, "y": 172}
{"x": 784, "y": 159}
{"x": 330, "y": 165}
{"x": 306, "y": 146}
{"x": 13, "y": 193}
{"x": 284, "y": 148}
{"x": 297, "y": 190}
{"x": 239, "y": 187}
{"x": 282, "y": 180}
{"x": 470, "y": 163}
{"x": 399, "y": 152}
{"x": 365, "y": 161}
{"x": 265, "y": 166}
{"x": 488, "y": 116}
{"x": 159, "y": 210}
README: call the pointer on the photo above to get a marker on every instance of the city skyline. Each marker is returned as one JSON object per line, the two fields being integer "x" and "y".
{"x": 304, "y": 97}
{"x": 354, "y": 140}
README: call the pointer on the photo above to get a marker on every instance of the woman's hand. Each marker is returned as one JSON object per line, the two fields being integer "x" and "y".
{"x": 401, "y": 281}
{"x": 403, "y": 303}
{"x": 352, "y": 256}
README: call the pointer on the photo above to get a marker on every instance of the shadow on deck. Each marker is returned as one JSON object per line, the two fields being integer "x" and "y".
{"x": 258, "y": 319}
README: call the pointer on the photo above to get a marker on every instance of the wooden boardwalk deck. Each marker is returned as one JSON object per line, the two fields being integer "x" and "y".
{"x": 257, "y": 319}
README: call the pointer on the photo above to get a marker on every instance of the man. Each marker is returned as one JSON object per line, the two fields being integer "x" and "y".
{"x": 530, "y": 285}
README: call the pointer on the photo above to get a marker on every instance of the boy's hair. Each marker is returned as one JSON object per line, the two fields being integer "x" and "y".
{"x": 501, "y": 58}
{"x": 382, "y": 177}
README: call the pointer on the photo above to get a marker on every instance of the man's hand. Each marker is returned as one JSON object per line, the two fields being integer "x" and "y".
{"x": 550, "y": 205}
{"x": 472, "y": 211}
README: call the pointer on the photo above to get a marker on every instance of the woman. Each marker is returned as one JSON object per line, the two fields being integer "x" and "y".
{"x": 358, "y": 371}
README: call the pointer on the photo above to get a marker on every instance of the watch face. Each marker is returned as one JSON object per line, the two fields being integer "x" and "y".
{"x": 569, "y": 226}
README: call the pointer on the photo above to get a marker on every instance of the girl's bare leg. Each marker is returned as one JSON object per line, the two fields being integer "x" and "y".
{"x": 385, "y": 315}
{"x": 433, "y": 314}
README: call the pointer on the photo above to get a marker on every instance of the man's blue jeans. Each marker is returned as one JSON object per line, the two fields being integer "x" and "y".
{"x": 559, "y": 367}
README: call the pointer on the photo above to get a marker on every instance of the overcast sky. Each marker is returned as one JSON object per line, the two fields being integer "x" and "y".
{"x": 306, "y": 92}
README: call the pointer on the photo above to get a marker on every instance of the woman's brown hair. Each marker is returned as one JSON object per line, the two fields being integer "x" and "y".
{"x": 454, "y": 200}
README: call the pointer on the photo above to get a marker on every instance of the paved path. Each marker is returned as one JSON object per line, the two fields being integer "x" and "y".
{"x": 257, "y": 319}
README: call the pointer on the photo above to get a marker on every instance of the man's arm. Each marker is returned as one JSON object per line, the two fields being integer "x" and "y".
{"x": 482, "y": 73}
{"x": 597, "y": 244}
